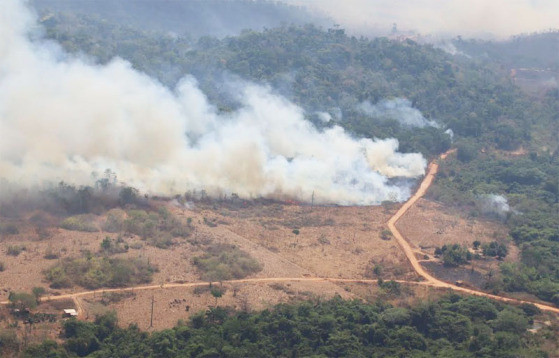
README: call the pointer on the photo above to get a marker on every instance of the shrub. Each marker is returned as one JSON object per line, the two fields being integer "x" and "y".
{"x": 115, "y": 297}
{"x": 495, "y": 249}
{"x": 128, "y": 195}
{"x": 15, "y": 250}
{"x": 115, "y": 220}
{"x": 22, "y": 300}
{"x": 50, "y": 254}
{"x": 391, "y": 287}
{"x": 79, "y": 223}
{"x": 38, "y": 292}
{"x": 8, "y": 341}
{"x": 224, "y": 262}
{"x": 386, "y": 234}
{"x": 9, "y": 229}
{"x": 158, "y": 228}
{"x": 161, "y": 241}
{"x": 454, "y": 255}
{"x": 96, "y": 272}
{"x": 110, "y": 246}
{"x": 467, "y": 150}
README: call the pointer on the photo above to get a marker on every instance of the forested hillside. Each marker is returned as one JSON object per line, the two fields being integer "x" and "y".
{"x": 451, "y": 327}
{"x": 193, "y": 18}
{"x": 327, "y": 71}
{"x": 538, "y": 51}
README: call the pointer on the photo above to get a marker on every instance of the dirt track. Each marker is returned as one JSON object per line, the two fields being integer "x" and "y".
{"x": 429, "y": 280}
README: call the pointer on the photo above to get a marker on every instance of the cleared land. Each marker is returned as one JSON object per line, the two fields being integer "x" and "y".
{"x": 304, "y": 252}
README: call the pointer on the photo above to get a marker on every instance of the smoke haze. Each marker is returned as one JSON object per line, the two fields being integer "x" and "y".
{"x": 193, "y": 18}
{"x": 64, "y": 119}
{"x": 474, "y": 18}
{"x": 494, "y": 205}
{"x": 398, "y": 109}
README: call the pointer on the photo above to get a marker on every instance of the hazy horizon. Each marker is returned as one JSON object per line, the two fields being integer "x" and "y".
{"x": 478, "y": 18}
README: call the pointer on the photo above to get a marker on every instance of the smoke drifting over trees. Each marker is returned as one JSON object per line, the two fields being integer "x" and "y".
{"x": 63, "y": 119}
{"x": 398, "y": 109}
{"x": 192, "y": 17}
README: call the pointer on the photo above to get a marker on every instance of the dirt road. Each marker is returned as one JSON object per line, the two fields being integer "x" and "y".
{"x": 406, "y": 247}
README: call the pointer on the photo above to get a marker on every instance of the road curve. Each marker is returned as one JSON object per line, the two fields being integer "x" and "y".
{"x": 404, "y": 244}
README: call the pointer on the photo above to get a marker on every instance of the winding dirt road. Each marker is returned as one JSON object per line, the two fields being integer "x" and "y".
{"x": 429, "y": 280}
{"x": 406, "y": 247}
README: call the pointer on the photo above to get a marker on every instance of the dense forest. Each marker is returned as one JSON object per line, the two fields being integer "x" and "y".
{"x": 537, "y": 51}
{"x": 334, "y": 76}
{"x": 453, "y": 326}
{"x": 327, "y": 71}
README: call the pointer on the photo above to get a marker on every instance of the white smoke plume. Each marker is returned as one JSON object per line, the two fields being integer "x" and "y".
{"x": 63, "y": 119}
{"x": 493, "y": 204}
{"x": 450, "y": 133}
{"x": 399, "y": 109}
{"x": 324, "y": 117}
{"x": 448, "y": 47}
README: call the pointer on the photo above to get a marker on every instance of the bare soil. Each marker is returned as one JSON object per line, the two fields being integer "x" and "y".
{"x": 339, "y": 242}
{"x": 342, "y": 242}
{"x": 429, "y": 224}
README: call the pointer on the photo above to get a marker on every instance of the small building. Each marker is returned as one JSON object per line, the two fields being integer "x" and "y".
{"x": 70, "y": 312}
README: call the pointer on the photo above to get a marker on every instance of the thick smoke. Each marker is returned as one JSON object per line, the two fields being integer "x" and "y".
{"x": 64, "y": 119}
{"x": 324, "y": 117}
{"x": 399, "y": 109}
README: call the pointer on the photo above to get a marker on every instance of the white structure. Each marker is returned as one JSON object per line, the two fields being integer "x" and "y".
{"x": 70, "y": 312}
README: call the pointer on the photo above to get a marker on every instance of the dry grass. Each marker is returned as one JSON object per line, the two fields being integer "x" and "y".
{"x": 341, "y": 242}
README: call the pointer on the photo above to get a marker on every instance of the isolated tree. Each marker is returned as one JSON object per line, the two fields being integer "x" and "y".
{"x": 38, "y": 292}
{"x": 216, "y": 293}
{"x": 22, "y": 300}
